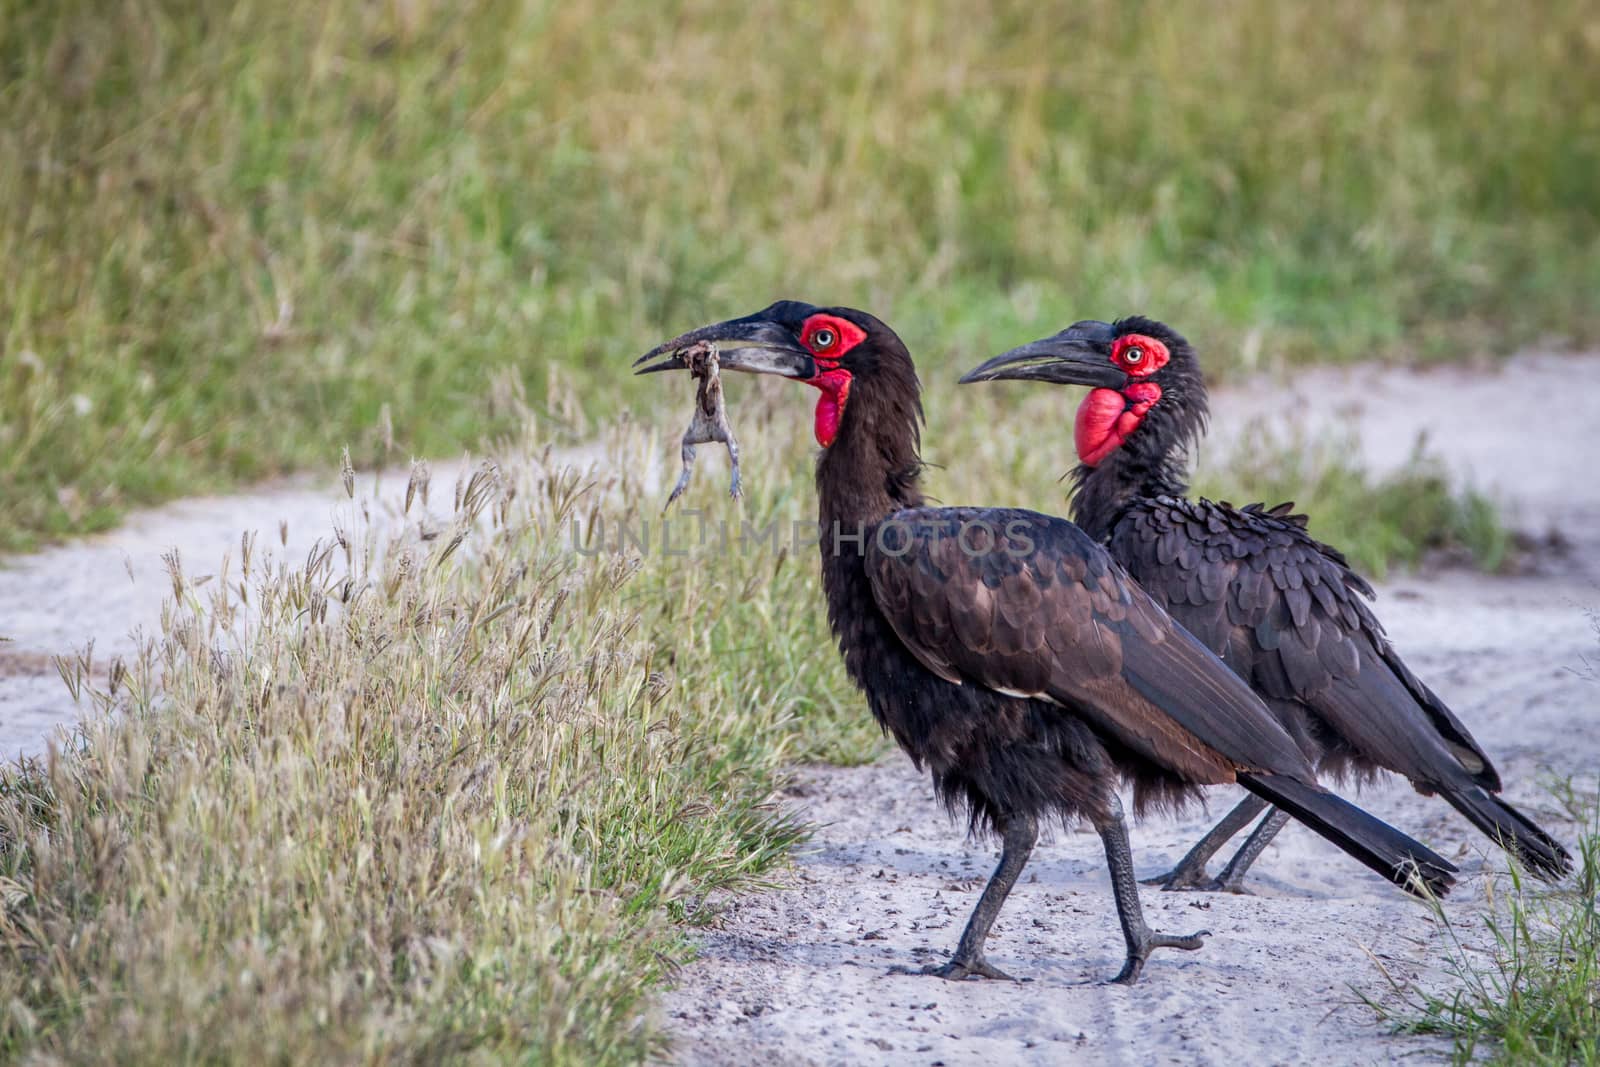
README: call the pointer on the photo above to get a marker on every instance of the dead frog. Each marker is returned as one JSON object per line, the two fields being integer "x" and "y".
{"x": 710, "y": 422}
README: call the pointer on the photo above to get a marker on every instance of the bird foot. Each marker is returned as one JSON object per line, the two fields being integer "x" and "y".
{"x": 1183, "y": 876}
{"x": 955, "y": 970}
{"x": 1196, "y": 880}
{"x": 1152, "y": 941}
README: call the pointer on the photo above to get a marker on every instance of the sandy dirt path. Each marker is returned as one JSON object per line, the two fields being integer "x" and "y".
{"x": 800, "y": 975}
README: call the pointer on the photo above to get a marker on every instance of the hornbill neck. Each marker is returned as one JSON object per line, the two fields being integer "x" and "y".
{"x": 1132, "y": 473}
{"x": 874, "y": 467}
{"x": 871, "y": 471}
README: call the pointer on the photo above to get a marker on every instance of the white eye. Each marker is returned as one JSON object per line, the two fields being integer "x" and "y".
{"x": 1133, "y": 354}
{"x": 822, "y": 339}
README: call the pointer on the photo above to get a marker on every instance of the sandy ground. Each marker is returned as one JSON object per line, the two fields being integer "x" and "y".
{"x": 799, "y": 974}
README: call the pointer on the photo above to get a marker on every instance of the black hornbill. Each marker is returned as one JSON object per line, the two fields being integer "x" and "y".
{"x": 1282, "y": 609}
{"x": 1006, "y": 651}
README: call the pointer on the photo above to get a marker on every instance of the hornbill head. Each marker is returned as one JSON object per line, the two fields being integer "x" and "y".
{"x": 834, "y": 350}
{"x": 1146, "y": 392}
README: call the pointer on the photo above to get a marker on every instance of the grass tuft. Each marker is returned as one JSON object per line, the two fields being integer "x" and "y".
{"x": 432, "y": 796}
{"x": 1531, "y": 995}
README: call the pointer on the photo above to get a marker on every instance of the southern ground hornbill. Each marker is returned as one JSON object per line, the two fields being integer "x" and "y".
{"x": 1006, "y": 651}
{"x": 1282, "y": 609}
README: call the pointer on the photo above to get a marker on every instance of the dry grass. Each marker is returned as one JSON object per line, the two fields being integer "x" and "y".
{"x": 434, "y": 796}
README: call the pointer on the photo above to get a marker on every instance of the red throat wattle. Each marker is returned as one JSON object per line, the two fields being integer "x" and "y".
{"x": 1107, "y": 418}
{"x": 835, "y": 388}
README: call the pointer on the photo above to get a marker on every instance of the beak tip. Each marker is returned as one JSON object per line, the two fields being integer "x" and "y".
{"x": 668, "y": 356}
{"x": 666, "y": 364}
{"x": 991, "y": 370}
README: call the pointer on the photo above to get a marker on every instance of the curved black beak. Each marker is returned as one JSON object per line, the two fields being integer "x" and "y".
{"x": 1078, "y": 355}
{"x": 752, "y": 344}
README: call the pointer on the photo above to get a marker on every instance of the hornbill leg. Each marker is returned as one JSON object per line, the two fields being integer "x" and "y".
{"x": 1140, "y": 938}
{"x": 1231, "y": 880}
{"x": 1190, "y": 873}
{"x": 1017, "y": 835}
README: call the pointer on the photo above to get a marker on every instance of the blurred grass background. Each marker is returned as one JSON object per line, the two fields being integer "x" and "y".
{"x": 239, "y": 236}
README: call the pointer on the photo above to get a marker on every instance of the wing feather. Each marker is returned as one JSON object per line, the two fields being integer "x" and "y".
{"x": 1049, "y": 613}
{"x": 1293, "y": 618}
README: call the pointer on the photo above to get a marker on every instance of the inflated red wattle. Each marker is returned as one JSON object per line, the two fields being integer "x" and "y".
{"x": 834, "y": 384}
{"x": 1107, "y": 418}
{"x": 1096, "y": 423}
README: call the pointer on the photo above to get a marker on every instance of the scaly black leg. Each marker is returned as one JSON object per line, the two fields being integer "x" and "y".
{"x": 1017, "y": 835}
{"x": 1141, "y": 940}
{"x": 1231, "y": 880}
{"x": 1190, "y": 873}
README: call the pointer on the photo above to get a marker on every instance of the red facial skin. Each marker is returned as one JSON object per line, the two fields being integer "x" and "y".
{"x": 831, "y": 380}
{"x": 1107, "y": 417}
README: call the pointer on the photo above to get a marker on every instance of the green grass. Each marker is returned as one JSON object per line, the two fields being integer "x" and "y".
{"x": 1530, "y": 994}
{"x": 238, "y": 239}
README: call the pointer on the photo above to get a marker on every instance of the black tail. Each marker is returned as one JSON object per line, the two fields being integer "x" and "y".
{"x": 1513, "y": 831}
{"x": 1375, "y": 843}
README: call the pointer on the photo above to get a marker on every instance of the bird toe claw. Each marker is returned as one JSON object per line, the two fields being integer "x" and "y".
{"x": 1152, "y": 941}
{"x": 956, "y": 970}
{"x": 1181, "y": 878}
{"x": 1197, "y": 881}
{"x": 1188, "y": 942}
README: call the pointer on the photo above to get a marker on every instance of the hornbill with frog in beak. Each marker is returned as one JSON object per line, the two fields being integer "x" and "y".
{"x": 1282, "y": 609}
{"x": 1006, "y": 651}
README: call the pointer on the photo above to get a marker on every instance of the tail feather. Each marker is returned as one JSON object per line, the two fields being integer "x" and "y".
{"x": 1400, "y": 859}
{"x": 1536, "y": 850}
